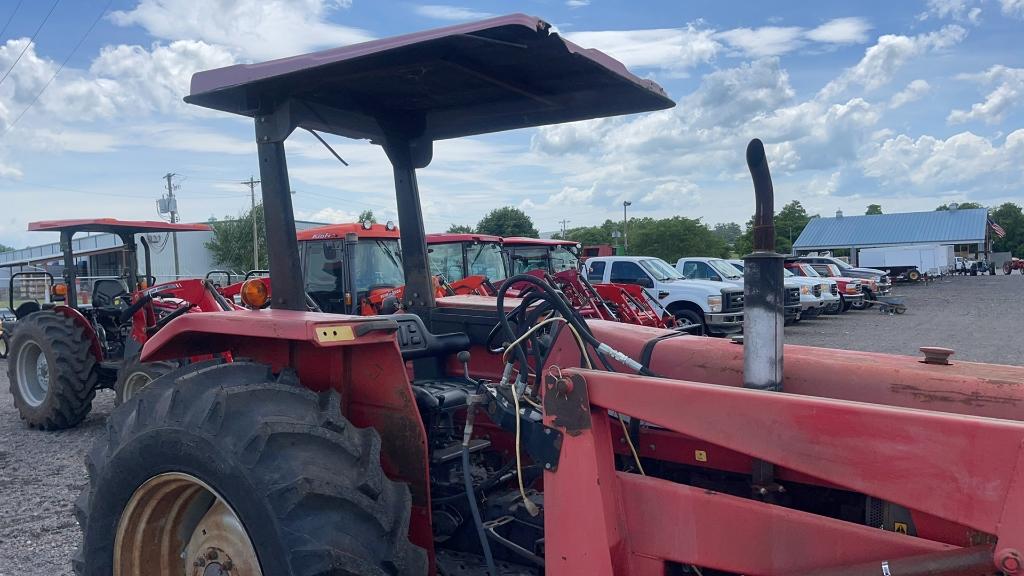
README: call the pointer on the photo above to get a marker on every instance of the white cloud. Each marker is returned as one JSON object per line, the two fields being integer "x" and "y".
{"x": 1007, "y": 94}
{"x": 328, "y": 215}
{"x": 448, "y": 12}
{"x": 912, "y": 93}
{"x": 1013, "y": 7}
{"x": 964, "y": 161}
{"x": 666, "y": 48}
{"x": 252, "y": 29}
{"x": 765, "y": 41}
{"x": 841, "y": 31}
{"x": 961, "y": 10}
{"x": 882, "y": 60}
{"x": 577, "y": 3}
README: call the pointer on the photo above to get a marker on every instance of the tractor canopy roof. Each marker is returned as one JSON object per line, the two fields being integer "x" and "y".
{"x": 113, "y": 226}
{"x": 524, "y": 241}
{"x": 498, "y": 74}
{"x": 338, "y": 231}
{"x": 449, "y": 237}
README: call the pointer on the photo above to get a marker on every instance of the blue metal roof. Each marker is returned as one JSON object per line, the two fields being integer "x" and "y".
{"x": 938, "y": 227}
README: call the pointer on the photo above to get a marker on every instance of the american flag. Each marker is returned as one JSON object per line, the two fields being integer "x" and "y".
{"x": 997, "y": 228}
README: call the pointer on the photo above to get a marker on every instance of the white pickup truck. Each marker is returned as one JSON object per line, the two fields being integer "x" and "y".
{"x": 719, "y": 270}
{"x": 715, "y": 306}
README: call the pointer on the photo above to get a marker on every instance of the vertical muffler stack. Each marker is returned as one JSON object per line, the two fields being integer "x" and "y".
{"x": 763, "y": 299}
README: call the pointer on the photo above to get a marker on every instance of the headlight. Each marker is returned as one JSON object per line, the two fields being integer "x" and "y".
{"x": 851, "y": 288}
{"x": 805, "y": 289}
{"x": 715, "y": 303}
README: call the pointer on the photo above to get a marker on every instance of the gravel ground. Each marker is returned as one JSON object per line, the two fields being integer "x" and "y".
{"x": 980, "y": 317}
{"x": 41, "y": 473}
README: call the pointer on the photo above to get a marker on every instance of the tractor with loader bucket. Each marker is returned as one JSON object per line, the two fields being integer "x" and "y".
{"x": 90, "y": 331}
{"x": 387, "y": 445}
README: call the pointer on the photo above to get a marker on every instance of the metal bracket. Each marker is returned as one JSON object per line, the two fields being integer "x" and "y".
{"x": 566, "y": 400}
{"x": 275, "y": 126}
{"x": 542, "y": 443}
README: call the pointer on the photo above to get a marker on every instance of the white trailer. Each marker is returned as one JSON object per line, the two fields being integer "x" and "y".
{"x": 909, "y": 262}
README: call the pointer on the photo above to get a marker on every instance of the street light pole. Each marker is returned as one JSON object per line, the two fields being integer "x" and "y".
{"x": 625, "y": 236}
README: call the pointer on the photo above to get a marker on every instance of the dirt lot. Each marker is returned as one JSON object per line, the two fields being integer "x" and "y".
{"x": 980, "y": 317}
{"x": 41, "y": 473}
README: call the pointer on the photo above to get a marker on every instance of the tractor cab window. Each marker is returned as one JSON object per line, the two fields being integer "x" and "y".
{"x": 446, "y": 260}
{"x": 529, "y": 258}
{"x": 486, "y": 259}
{"x": 324, "y": 273}
{"x": 562, "y": 259}
{"x": 376, "y": 263}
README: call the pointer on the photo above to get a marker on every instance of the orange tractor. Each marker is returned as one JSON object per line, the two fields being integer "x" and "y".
{"x": 401, "y": 445}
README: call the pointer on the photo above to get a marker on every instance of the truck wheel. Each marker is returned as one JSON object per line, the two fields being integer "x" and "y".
{"x": 5, "y": 345}
{"x": 914, "y": 275}
{"x": 690, "y": 317}
{"x": 222, "y": 469}
{"x": 134, "y": 376}
{"x": 1007, "y": 268}
{"x": 52, "y": 371}
{"x": 844, "y": 307}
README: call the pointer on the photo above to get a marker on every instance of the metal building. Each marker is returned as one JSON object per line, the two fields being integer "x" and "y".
{"x": 967, "y": 229}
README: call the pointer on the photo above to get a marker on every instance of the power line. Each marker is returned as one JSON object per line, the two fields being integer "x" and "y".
{"x": 30, "y": 41}
{"x": 61, "y": 67}
{"x": 9, "y": 18}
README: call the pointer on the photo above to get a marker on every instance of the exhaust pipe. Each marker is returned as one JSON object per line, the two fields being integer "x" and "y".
{"x": 763, "y": 302}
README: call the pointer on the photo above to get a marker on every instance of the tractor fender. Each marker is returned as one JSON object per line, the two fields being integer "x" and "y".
{"x": 89, "y": 332}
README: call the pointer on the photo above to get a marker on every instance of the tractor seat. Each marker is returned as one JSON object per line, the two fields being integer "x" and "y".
{"x": 104, "y": 292}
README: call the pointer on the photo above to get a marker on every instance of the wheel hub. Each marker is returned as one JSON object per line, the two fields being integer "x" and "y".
{"x": 33, "y": 374}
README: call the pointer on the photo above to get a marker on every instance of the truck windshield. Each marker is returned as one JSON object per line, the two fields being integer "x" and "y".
{"x": 486, "y": 259}
{"x": 660, "y": 270}
{"x": 834, "y": 270}
{"x": 841, "y": 265}
{"x": 726, "y": 269}
{"x": 807, "y": 270}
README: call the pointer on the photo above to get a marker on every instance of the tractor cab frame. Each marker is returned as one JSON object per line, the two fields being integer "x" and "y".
{"x": 552, "y": 256}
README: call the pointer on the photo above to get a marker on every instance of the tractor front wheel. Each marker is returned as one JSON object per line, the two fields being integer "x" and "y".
{"x": 221, "y": 468}
{"x": 52, "y": 371}
{"x": 135, "y": 375}
{"x": 5, "y": 345}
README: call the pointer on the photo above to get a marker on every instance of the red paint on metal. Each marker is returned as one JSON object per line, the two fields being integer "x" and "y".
{"x": 338, "y": 231}
{"x": 451, "y": 238}
{"x": 113, "y": 226}
{"x": 524, "y": 241}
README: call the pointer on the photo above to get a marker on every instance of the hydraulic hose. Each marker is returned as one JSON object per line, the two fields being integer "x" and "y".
{"x": 467, "y": 480}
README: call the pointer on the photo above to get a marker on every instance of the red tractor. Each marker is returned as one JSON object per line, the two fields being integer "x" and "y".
{"x": 91, "y": 333}
{"x": 401, "y": 445}
{"x": 1013, "y": 264}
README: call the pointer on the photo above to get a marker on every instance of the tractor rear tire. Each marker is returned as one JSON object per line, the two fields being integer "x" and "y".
{"x": 134, "y": 376}
{"x": 52, "y": 371}
{"x": 290, "y": 487}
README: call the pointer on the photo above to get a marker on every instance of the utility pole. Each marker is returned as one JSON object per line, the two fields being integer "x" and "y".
{"x": 252, "y": 214}
{"x": 625, "y": 238}
{"x": 564, "y": 222}
{"x": 173, "y": 205}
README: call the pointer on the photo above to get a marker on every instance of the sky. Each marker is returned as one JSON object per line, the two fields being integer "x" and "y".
{"x": 905, "y": 104}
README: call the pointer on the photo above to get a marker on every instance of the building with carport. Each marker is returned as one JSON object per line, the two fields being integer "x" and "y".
{"x": 967, "y": 230}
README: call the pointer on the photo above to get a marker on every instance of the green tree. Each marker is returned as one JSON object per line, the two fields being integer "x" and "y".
{"x": 1011, "y": 218}
{"x": 507, "y": 221}
{"x": 460, "y": 229}
{"x": 673, "y": 238}
{"x": 367, "y": 215}
{"x": 789, "y": 223}
{"x": 5, "y": 248}
{"x": 874, "y": 209}
{"x": 231, "y": 245}
{"x": 588, "y": 235}
{"x": 727, "y": 232}
{"x": 961, "y": 206}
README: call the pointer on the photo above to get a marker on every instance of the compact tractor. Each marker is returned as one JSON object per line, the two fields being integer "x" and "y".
{"x": 89, "y": 335}
{"x": 388, "y": 445}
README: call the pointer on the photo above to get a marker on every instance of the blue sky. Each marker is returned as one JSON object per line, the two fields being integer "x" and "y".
{"x": 906, "y": 104}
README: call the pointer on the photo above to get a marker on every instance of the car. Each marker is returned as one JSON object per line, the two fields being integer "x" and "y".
{"x": 716, "y": 306}
{"x": 882, "y": 283}
{"x": 720, "y": 270}
{"x": 817, "y": 295}
{"x": 851, "y": 290}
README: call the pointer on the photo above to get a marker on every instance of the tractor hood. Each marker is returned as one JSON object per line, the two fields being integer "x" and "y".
{"x": 498, "y": 74}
